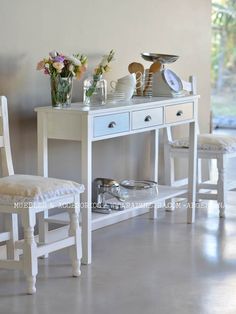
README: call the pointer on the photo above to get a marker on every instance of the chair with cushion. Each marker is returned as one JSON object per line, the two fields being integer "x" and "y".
{"x": 210, "y": 146}
{"x": 26, "y": 195}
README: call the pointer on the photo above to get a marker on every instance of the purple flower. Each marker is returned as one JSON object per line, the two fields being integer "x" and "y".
{"x": 59, "y": 59}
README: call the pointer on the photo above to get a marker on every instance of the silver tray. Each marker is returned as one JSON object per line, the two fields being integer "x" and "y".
{"x": 162, "y": 58}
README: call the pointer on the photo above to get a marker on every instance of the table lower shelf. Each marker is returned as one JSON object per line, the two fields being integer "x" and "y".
{"x": 138, "y": 208}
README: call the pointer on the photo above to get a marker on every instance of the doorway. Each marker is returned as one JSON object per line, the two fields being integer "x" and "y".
{"x": 223, "y": 67}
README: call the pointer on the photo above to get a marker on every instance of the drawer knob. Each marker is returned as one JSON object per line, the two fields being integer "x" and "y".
{"x": 111, "y": 125}
{"x": 179, "y": 113}
{"x": 148, "y": 118}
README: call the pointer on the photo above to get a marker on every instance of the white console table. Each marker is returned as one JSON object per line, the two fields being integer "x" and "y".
{"x": 87, "y": 125}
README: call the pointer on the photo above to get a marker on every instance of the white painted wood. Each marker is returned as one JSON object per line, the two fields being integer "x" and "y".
{"x": 147, "y": 117}
{"x": 221, "y": 165}
{"x": 111, "y": 124}
{"x": 43, "y": 229}
{"x": 86, "y": 160}
{"x": 98, "y": 117}
{"x": 7, "y": 165}
{"x": 221, "y": 156}
{"x": 57, "y": 123}
{"x": 192, "y": 172}
{"x": 178, "y": 113}
{"x": 75, "y": 232}
{"x": 154, "y": 161}
{"x": 11, "y": 224}
{"x": 30, "y": 251}
{"x": 55, "y": 246}
{"x": 42, "y": 144}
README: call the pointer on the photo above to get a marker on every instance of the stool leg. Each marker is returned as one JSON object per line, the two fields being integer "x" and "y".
{"x": 11, "y": 223}
{"x": 221, "y": 185}
{"x": 29, "y": 251}
{"x": 43, "y": 230}
{"x": 75, "y": 230}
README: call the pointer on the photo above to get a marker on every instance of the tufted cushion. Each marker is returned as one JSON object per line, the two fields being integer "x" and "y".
{"x": 26, "y": 188}
{"x": 218, "y": 142}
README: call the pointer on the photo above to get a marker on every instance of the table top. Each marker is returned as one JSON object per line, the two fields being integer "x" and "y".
{"x": 133, "y": 104}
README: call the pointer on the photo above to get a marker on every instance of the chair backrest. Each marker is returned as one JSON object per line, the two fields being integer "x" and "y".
{"x": 7, "y": 165}
{"x": 191, "y": 87}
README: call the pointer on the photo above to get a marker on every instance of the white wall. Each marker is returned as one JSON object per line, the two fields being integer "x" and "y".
{"x": 29, "y": 29}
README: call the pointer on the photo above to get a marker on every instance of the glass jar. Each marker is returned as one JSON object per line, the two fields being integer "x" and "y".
{"x": 95, "y": 90}
{"x": 61, "y": 91}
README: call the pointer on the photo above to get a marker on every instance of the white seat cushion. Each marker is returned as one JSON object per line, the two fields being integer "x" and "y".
{"x": 27, "y": 188}
{"x": 215, "y": 142}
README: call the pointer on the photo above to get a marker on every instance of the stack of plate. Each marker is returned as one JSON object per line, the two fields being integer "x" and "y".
{"x": 116, "y": 97}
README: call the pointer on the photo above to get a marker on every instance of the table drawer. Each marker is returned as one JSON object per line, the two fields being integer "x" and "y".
{"x": 178, "y": 113}
{"x": 147, "y": 118}
{"x": 111, "y": 124}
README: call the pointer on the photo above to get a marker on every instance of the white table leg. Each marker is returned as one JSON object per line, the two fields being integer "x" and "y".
{"x": 42, "y": 144}
{"x": 154, "y": 207}
{"x": 86, "y": 197}
{"x": 42, "y": 171}
{"x": 192, "y": 171}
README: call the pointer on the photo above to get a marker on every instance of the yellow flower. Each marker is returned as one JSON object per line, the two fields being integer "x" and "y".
{"x": 58, "y": 66}
{"x": 107, "y": 68}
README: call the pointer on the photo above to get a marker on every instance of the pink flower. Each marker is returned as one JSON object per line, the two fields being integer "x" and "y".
{"x": 40, "y": 65}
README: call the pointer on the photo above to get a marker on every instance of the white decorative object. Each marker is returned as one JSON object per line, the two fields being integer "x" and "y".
{"x": 99, "y": 123}
{"x": 27, "y": 196}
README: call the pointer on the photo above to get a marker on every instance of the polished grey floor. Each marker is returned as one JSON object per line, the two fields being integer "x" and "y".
{"x": 140, "y": 266}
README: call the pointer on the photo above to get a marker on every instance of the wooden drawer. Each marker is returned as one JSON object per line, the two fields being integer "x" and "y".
{"x": 147, "y": 118}
{"x": 178, "y": 113}
{"x": 111, "y": 124}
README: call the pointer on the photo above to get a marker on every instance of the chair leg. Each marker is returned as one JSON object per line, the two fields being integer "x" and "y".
{"x": 43, "y": 230}
{"x": 29, "y": 254}
{"x": 75, "y": 230}
{"x": 221, "y": 185}
{"x": 199, "y": 178}
{"x": 11, "y": 223}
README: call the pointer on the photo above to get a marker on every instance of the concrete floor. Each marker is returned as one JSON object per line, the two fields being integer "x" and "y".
{"x": 140, "y": 266}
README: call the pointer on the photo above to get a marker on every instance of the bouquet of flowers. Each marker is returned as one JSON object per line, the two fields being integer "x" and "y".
{"x": 62, "y": 69}
{"x": 65, "y": 66}
{"x": 102, "y": 67}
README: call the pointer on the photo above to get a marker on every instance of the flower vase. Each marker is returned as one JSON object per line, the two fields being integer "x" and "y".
{"x": 95, "y": 91}
{"x": 61, "y": 91}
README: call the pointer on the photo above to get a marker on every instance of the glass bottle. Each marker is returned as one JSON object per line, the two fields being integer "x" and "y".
{"x": 95, "y": 90}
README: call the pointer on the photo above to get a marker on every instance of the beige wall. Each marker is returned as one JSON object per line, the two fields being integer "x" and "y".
{"x": 31, "y": 28}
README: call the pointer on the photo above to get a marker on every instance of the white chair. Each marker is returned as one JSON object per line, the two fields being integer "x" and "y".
{"x": 210, "y": 146}
{"x": 26, "y": 196}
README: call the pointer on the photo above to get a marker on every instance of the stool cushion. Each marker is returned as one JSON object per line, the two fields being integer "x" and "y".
{"x": 215, "y": 142}
{"x": 27, "y": 188}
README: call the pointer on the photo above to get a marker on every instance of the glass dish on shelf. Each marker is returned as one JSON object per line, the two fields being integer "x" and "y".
{"x": 140, "y": 190}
